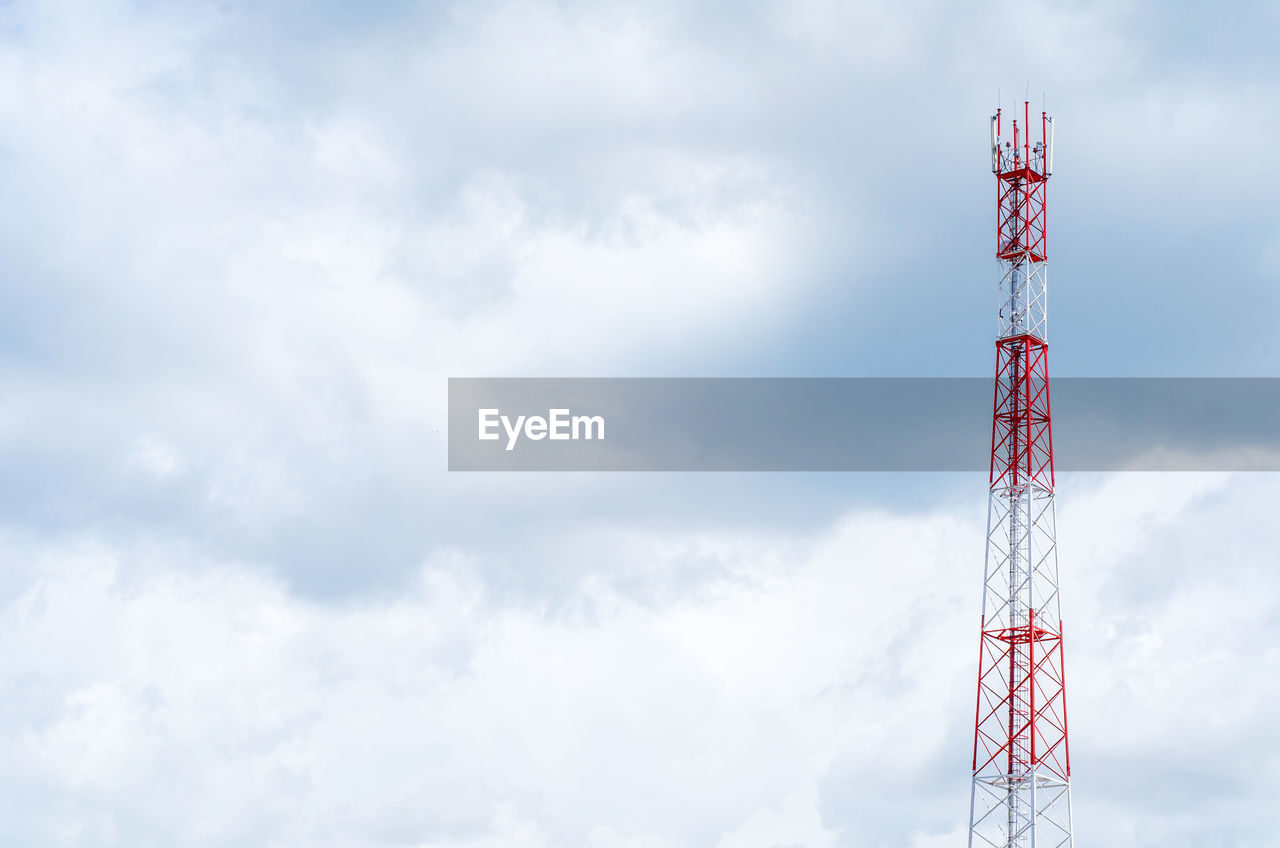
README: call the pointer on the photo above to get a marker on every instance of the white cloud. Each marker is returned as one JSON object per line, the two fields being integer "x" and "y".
{"x": 814, "y": 694}
{"x": 213, "y": 707}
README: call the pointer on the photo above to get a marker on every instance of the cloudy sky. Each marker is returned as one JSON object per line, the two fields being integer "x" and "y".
{"x": 245, "y": 244}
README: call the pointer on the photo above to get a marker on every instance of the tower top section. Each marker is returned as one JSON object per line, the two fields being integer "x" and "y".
{"x": 1022, "y": 165}
{"x": 1014, "y": 152}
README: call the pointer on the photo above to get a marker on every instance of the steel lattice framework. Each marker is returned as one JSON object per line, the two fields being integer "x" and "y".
{"x": 1021, "y": 796}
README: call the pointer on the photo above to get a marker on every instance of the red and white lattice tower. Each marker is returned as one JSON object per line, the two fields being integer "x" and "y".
{"x": 1021, "y": 795}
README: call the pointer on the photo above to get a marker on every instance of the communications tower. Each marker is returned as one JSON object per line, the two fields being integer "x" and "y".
{"x": 1021, "y": 795}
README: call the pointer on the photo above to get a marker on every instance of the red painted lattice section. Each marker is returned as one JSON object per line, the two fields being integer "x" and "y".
{"x": 1021, "y": 426}
{"x": 1020, "y": 226}
{"x": 1022, "y": 711}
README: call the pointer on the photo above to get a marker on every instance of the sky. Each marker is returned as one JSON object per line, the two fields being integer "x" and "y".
{"x": 242, "y": 602}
